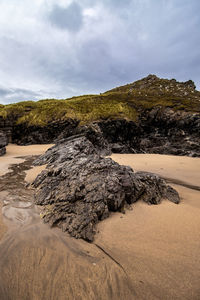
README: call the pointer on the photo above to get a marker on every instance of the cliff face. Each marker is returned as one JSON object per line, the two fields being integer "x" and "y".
{"x": 150, "y": 115}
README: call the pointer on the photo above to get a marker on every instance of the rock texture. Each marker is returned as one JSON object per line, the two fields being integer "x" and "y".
{"x": 3, "y": 143}
{"x": 167, "y": 131}
{"x": 159, "y": 130}
{"x": 23, "y": 134}
{"x": 80, "y": 188}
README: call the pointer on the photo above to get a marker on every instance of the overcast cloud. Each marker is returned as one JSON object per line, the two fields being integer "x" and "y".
{"x": 62, "y": 48}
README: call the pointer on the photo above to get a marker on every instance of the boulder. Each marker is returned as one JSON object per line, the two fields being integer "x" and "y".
{"x": 80, "y": 188}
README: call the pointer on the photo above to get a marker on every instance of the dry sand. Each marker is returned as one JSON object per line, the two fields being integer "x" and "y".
{"x": 158, "y": 246}
{"x": 176, "y": 168}
{"x": 151, "y": 252}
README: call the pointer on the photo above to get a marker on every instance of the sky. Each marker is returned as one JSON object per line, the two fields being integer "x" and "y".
{"x": 64, "y": 48}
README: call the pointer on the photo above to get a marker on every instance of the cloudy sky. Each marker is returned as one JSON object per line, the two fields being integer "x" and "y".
{"x": 62, "y": 48}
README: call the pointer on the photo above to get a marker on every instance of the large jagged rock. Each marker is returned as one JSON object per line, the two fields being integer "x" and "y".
{"x": 3, "y": 143}
{"x": 81, "y": 188}
{"x": 67, "y": 150}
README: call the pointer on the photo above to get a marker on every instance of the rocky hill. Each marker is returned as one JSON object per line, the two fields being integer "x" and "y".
{"x": 150, "y": 115}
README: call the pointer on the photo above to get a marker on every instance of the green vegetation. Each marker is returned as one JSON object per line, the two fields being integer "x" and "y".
{"x": 122, "y": 102}
{"x": 84, "y": 108}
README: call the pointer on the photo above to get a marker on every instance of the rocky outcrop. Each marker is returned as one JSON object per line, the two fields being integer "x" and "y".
{"x": 157, "y": 85}
{"x": 123, "y": 136}
{"x": 3, "y": 143}
{"x": 67, "y": 150}
{"x": 152, "y": 82}
{"x": 6, "y": 126}
{"x": 80, "y": 188}
{"x": 151, "y": 115}
{"x": 22, "y": 134}
{"x": 158, "y": 130}
{"x": 166, "y": 131}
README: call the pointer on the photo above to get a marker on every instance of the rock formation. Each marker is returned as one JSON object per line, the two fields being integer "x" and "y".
{"x": 80, "y": 188}
{"x": 3, "y": 143}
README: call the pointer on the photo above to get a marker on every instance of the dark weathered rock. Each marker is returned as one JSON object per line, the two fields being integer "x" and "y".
{"x": 2, "y": 151}
{"x": 166, "y": 131}
{"x": 123, "y": 136}
{"x": 172, "y": 195}
{"x": 95, "y": 135}
{"x": 67, "y": 150}
{"x": 83, "y": 191}
{"x": 162, "y": 131}
{"x": 3, "y": 143}
{"x": 23, "y": 134}
{"x": 81, "y": 188}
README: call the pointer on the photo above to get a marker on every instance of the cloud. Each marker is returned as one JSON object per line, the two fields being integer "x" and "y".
{"x": 64, "y": 48}
{"x": 15, "y": 94}
{"x": 69, "y": 18}
{"x": 3, "y": 92}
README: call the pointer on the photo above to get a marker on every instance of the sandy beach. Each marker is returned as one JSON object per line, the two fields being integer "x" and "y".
{"x": 182, "y": 169}
{"x": 15, "y": 154}
{"x": 150, "y": 252}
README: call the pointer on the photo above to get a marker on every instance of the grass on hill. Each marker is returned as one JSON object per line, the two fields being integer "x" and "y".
{"x": 123, "y": 102}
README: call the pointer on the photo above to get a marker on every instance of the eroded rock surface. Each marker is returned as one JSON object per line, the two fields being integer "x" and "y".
{"x": 166, "y": 131}
{"x": 3, "y": 143}
{"x": 67, "y": 150}
{"x": 81, "y": 188}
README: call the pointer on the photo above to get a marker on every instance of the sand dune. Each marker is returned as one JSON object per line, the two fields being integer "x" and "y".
{"x": 151, "y": 252}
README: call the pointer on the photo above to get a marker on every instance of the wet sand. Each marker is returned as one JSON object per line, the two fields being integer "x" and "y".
{"x": 14, "y": 154}
{"x": 151, "y": 252}
{"x": 33, "y": 172}
{"x": 3, "y": 227}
